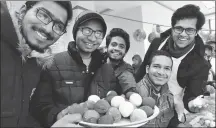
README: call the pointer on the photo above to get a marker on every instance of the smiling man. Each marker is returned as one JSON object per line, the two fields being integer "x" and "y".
{"x": 25, "y": 51}
{"x": 190, "y": 69}
{"x": 118, "y": 44}
{"x": 154, "y": 84}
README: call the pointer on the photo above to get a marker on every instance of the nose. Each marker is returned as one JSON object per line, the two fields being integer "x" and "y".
{"x": 184, "y": 33}
{"x": 48, "y": 27}
{"x": 92, "y": 37}
{"x": 161, "y": 71}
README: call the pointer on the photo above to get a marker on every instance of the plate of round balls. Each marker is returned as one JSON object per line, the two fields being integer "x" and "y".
{"x": 130, "y": 110}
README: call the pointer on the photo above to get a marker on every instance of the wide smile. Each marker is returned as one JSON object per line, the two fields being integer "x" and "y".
{"x": 41, "y": 35}
{"x": 182, "y": 39}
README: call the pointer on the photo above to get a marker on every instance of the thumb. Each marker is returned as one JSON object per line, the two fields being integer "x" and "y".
{"x": 200, "y": 96}
{"x": 73, "y": 118}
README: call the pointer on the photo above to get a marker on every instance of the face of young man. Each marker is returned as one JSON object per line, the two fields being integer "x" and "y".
{"x": 208, "y": 54}
{"x": 159, "y": 70}
{"x": 117, "y": 48}
{"x": 86, "y": 39}
{"x": 183, "y": 39}
{"x": 213, "y": 49}
{"x": 38, "y": 34}
{"x": 135, "y": 61}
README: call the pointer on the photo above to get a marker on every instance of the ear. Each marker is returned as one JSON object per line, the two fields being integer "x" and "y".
{"x": 147, "y": 68}
{"x": 22, "y": 11}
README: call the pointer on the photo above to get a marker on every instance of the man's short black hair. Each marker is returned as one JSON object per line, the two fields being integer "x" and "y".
{"x": 189, "y": 11}
{"x": 65, "y": 4}
{"x": 118, "y": 32}
{"x": 159, "y": 53}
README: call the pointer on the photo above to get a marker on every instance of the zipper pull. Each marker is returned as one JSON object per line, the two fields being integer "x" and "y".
{"x": 87, "y": 71}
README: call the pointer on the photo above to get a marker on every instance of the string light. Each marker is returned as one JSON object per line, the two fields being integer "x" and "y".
{"x": 146, "y": 22}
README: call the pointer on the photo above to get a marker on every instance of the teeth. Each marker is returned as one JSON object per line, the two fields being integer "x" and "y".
{"x": 89, "y": 44}
{"x": 183, "y": 39}
{"x": 41, "y": 36}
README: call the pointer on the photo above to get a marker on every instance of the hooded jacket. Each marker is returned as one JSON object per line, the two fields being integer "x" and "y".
{"x": 18, "y": 78}
{"x": 192, "y": 72}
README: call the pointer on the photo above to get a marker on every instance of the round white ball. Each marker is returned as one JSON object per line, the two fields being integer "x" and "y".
{"x": 94, "y": 98}
{"x": 135, "y": 99}
{"x": 116, "y": 101}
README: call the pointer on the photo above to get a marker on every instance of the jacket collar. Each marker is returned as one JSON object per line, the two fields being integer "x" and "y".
{"x": 199, "y": 45}
{"x": 164, "y": 89}
{"x": 97, "y": 57}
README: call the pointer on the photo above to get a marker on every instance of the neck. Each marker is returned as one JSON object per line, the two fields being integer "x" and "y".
{"x": 85, "y": 55}
{"x": 113, "y": 62}
{"x": 157, "y": 88}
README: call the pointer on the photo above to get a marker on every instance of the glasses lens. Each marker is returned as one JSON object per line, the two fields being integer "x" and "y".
{"x": 99, "y": 34}
{"x": 87, "y": 31}
{"x": 190, "y": 31}
{"x": 59, "y": 28}
{"x": 43, "y": 16}
{"x": 178, "y": 29}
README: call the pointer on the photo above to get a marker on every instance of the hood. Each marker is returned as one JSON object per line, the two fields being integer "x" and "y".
{"x": 199, "y": 44}
{"x": 10, "y": 27}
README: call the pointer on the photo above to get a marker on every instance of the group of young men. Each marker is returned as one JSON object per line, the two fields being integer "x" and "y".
{"x": 37, "y": 87}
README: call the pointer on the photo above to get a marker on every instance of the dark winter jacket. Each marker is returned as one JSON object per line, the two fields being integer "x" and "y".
{"x": 17, "y": 78}
{"x": 124, "y": 74}
{"x": 68, "y": 81}
{"x": 193, "y": 69}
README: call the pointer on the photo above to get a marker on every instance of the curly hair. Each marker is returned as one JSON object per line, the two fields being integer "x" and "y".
{"x": 118, "y": 32}
{"x": 65, "y": 4}
{"x": 189, "y": 11}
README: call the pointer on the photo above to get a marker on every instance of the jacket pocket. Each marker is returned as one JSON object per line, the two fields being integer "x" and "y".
{"x": 69, "y": 91}
{"x": 7, "y": 110}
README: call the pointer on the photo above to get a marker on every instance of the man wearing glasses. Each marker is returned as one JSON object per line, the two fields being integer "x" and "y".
{"x": 68, "y": 80}
{"x": 25, "y": 51}
{"x": 190, "y": 70}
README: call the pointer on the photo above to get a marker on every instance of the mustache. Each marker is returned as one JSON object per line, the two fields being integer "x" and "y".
{"x": 42, "y": 30}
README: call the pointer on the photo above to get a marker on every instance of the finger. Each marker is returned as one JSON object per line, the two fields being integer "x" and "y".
{"x": 200, "y": 96}
{"x": 73, "y": 118}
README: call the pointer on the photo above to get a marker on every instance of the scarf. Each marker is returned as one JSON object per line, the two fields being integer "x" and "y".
{"x": 178, "y": 52}
{"x": 44, "y": 59}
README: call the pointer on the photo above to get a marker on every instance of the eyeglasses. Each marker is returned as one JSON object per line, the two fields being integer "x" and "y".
{"x": 88, "y": 32}
{"x": 189, "y": 31}
{"x": 58, "y": 27}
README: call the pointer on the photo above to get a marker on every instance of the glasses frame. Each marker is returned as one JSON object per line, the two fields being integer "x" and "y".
{"x": 185, "y": 29}
{"x": 51, "y": 20}
{"x": 92, "y": 31}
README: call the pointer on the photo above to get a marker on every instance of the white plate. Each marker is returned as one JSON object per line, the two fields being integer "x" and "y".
{"x": 132, "y": 124}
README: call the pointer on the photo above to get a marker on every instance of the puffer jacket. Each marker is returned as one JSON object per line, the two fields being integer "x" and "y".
{"x": 164, "y": 101}
{"x": 192, "y": 72}
{"x": 69, "y": 81}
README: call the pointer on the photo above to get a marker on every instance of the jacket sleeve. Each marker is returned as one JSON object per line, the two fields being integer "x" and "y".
{"x": 142, "y": 69}
{"x": 195, "y": 86}
{"x": 42, "y": 106}
{"x": 127, "y": 81}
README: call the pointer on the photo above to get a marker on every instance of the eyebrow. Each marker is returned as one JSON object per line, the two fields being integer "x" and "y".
{"x": 50, "y": 14}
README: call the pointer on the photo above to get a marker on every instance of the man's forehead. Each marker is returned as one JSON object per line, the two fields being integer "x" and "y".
{"x": 161, "y": 60}
{"x": 53, "y": 8}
